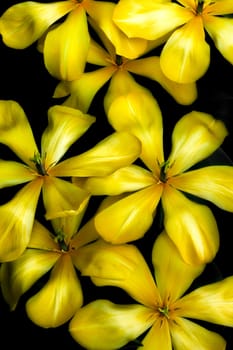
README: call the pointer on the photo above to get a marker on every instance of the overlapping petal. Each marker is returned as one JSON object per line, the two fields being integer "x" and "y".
{"x": 191, "y": 226}
{"x": 52, "y": 306}
{"x": 14, "y": 173}
{"x": 107, "y": 326}
{"x": 24, "y": 23}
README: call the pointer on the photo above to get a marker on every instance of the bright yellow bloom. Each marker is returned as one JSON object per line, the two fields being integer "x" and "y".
{"x": 61, "y": 296}
{"x": 136, "y": 191}
{"x": 186, "y": 54}
{"x": 42, "y": 169}
{"x": 163, "y": 308}
{"x": 82, "y": 90}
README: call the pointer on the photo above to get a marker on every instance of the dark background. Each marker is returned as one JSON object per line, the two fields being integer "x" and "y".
{"x": 24, "y": 79}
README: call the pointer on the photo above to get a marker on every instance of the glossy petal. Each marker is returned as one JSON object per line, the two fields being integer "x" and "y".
{"x": 21, "y": 274}
{"x": 195, "y": 137}
{"x": 15, "y": 131}
{"x": 102, "y": 325}
{"x": 24, "y": 23}
{"x": 214, "y": 183}
{"x": 115, "y": 151}
{"x": 220, "y": 30}
{"x": 69, "y": 43}
{"x": 186, "y": 50}
{"x": 168, "y": 262}
{"x": 97, "y": 55}
{"x": 122, "y": 221}
{"x": 187, "y": 335}
{"x": 211, "y": 303}
{"x": 223, "y": 7}
{"x": 149, "y": 67}
{"x": 62, "y": 198}
{"x": 121, "y": 266}
{"x": 13, "y": 173}
{"x": 158, "y": 336}
{"x": 59, "y": 299}
{"x": 149, "y": 20}
{"x": 42, "y": 239}
{"x": 127, "y": 179}
{"x": 17, "y": 217}
{"x": 65, "y": 126}
{"x": 190, "y": 226}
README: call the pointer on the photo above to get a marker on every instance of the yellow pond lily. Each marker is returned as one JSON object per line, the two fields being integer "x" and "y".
{"x": 164, "y": 310}
{"x": 135, "y": 191}
{"x": 186, "y": 55}
{"x": 42, "y": 170}
{"x": 54, "y": 255}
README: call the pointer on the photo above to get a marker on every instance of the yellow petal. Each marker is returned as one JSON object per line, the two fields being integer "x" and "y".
{"x": 158, "y": 336}
{"x": 97, "y": 55}
{"x": 190, "y": 226}
{"x": 65, "y": 126}
{"x": 13, "y": 173}
{"x": 121, "y": 266}
{"x": 220, "y": 29}
{"x": 21, "y": 274}
{"x": 122, "y": 221}
{"x": 41, "y": 238}
{"x": 17, "y": 217}
{"x": 59, "y": 299}
{"x": 223, "y": 7}
{"x": 149, "y": 67}
{"x": 149, "y": 20}
{"x": 188, "y": 51}
{"x": 15, "y": 131}
{"x": 127, "y": 179}
{"x": 107, "y": 326}
{"x": 131, "y": 107}
{"x": 115, "y": 151}
{"x": 101, "y": 14}
{"x": 214, "y": 183}
{"x": 187, "y": 335}
{"x": 173, "y": 275}
{"x": 195, "y": 137}
{"x": 86, "y": 234}
{"x": 62, "y": 198}
{"x": 24, "y": 23}
{"x": 69, "y": 43}
{"x": 211, "y": 303}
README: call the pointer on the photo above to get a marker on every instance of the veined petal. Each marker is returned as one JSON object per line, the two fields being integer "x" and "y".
{"x": 83, "y": 90}
{"x": 59, "y": 299}
{"x": 149, "y": 20}
{"x": 158, "y": 337}
{"x": 121, "y": 266}
{"x": 69, "y": 43}
{"x": 20, "y": 274}
{"x": 220, "y": 29}
{"x": 127, "y": 179}
{"x": 15, "y": 131}
{"x": 195, "y": 137}
{"x": 211, "y": 303}
{"x": 149, "y": 67}
{"x": 65, "y": 126}
{"x": 17, "y": 217}
{"x": 214, "y": 183}
{"x": 187, "y": 335}
{"x": 115, "y": 151}
{"x": 135, "y": 110}
{"x": 223, "y": 7}
{"x": 107, "y": 326}
{"x": 101, "y": 13}
{"x": 191, "y": 226}
{"x": 168, "y": 262}
{"x": 122, "y": 222}
{"x": 62, "y": 198}
{"x": 14, "y": 173}
{"x": 24, "y": 23}
{"x": 188, "y": 51}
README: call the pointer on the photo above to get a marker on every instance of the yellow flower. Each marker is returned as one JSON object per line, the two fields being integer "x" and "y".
{"x": 82, "y": 90}
{"x": 136, "y": 191}
{"x": 185, "y": 22}
{"x": 163, "y": 309}
{"x": 42, "y": 169}
{"x": 61, "y": 296}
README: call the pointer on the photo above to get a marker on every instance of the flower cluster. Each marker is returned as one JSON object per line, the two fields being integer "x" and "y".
{"x": 141, "y": 187}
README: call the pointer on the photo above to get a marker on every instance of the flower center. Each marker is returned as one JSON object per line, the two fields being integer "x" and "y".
{"x": 60, "y": 239}
{"x": 163, "y": 169}
{"x": 38, "y": 161}
{"x": 164, "y": 311}
{"x": 200, "y": 6}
